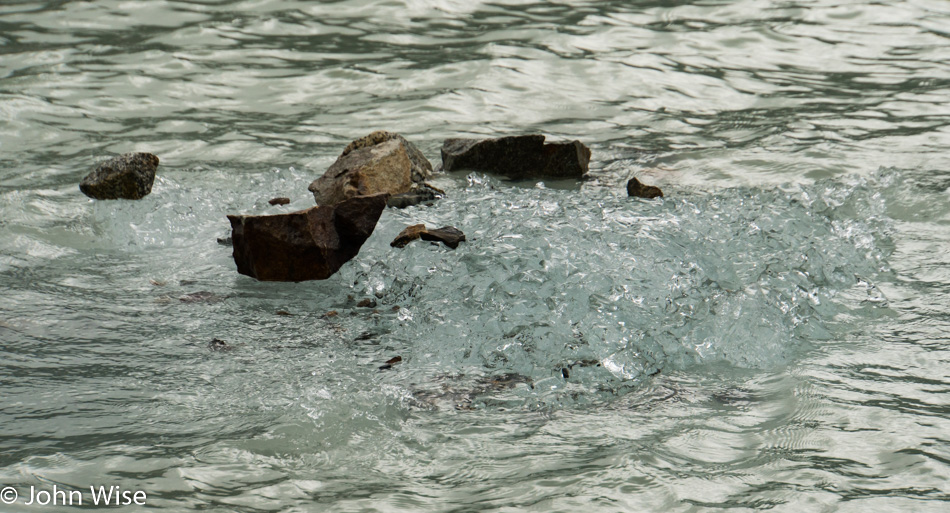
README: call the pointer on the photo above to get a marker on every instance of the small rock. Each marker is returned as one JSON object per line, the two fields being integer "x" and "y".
{"x": 225, "y": 241}
{"x": 279, "y": 201}
{"x": 635, "y": 188}
{"x": 284, "y": 313}
{"x": 127, "y": 176}
{"x": 395, "y": 308}
{"x": 382, "y": 162}
{"x": 311, "y": 244}
{"x": 331, "y": 313}
{"x": 408, "y": 235}
{"x": 416, "y": 195}
{"x": 517, "y": 157}
{"x": 217, "y": 344}
{"x": 367, "y": 303}
{"x": 448, "y": 235}
{"x": 389, "y": 363}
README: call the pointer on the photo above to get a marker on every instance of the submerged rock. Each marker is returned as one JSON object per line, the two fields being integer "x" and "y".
{"x": 381, "y": 162}
{"x": 523, "y": 156}
{"x": 448, "y": 235}
{"x": 417, "y": 194}
{"x": 635, "y": 188}
{"x": 127, "y": 176}
{"x": 310, "y": 244}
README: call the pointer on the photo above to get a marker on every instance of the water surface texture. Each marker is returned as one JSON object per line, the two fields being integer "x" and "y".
{"x": 772, "y": 335}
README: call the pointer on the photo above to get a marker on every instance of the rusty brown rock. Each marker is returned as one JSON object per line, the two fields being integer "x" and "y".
{"x": 447, "y": 235}
{"x": 408, "y": 235}
{"x": 310, "y": 244}
{"x": 517, "y": 157}
{"x": 127, "y": 176}
{"x": 637, "y": 189}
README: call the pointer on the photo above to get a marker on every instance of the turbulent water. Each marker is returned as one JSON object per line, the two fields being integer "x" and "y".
{"x": 772, "y": 335}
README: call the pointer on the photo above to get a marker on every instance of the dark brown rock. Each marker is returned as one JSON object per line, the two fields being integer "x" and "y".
{"x": 127, "y": 176}
{"x": 408, "y": 235}
{"x": 279, "y": 201}
{"x": 382, "y": 162}
{"x": 635, "y": 188}
{"x": 448, "y": 235}
{"x": 518, "y": 157}
{"x": 367, "y": 303}
{"x": 417, "y": 194}
{"x": 311, "y": 244}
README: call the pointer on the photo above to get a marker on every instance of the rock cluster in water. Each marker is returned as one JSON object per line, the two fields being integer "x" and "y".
{"x": 379, "y": 170}
{"x": 127, "y": 176}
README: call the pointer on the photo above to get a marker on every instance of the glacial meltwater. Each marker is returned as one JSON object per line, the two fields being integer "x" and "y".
{"x": 773, "y": 334}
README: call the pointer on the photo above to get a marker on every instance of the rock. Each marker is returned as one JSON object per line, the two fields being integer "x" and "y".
{"x": 416, "y": 195}
{"x": 217, "y": 344}
{"x": 421, "y": 167}
{"x": 518, "y": 157}
{"x": 382, "y": 162}
{"x": 310, "y": 244}
{"x": 367, "y": 303}
{"x": 225, "y": 241}
{"x": 448, "y": 235}
{"x": 408, "y": 235}
{"x": 279, "y": 201}
{"x": 127, "y": 176}
{"x": 635, "y": 188}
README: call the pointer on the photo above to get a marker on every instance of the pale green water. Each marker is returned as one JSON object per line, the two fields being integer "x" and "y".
{"x": 771, "y": 336}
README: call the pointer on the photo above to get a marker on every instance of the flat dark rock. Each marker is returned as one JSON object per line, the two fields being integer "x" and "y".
{"x": 279, "y": 201}
{"x": 517, "y": 157}
{"x": 448, "y": 235}
{"x": 637, "y": 189}
{"x": 128, "y": 176}
{"x": 310, "y": 244}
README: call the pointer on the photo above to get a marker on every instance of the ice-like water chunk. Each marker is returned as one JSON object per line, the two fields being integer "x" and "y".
{"x": 623, "y": 288}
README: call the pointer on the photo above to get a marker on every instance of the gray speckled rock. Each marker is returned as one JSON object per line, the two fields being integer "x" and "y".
{"x": 127, "y": 176}
{"x": 518, "y": 157}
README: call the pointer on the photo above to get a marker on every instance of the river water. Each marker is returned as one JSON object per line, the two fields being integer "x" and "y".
{"x": 773, "y": 335}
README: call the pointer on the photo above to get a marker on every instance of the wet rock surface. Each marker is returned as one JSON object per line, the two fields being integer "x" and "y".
{"x": 128, "y": 176}
{"x": 279, "y": 201}
{"x": 448, "y": 235}
{"x": 382, "y": 162}
{"x": 517, "y": 157}
{"x": 639, "y": 190}
{"x": 416, "y": 195}
{"x": 310, "y": 244}
{"x": 408, "y": 235}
